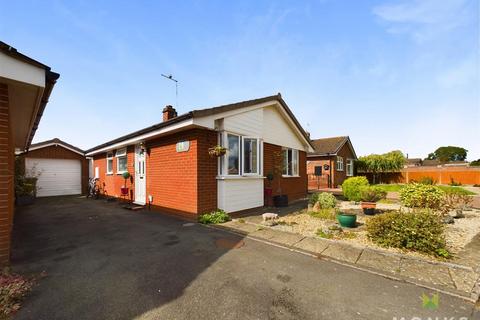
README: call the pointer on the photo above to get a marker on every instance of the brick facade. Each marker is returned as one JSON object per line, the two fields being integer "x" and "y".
{"x": 6, "y": 176}
{"x": 59, "y": 152}
{"x": 294, "y": 187}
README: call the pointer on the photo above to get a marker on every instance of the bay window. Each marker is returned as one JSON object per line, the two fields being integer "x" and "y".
{"x": 121, "y": 156}
{"x": 233, "y": 154}
{"x": 250, "y": 156}
{"x": 243, "y": 156}
{"x": 290, "y": 162}
{"x": 109, "y": 162}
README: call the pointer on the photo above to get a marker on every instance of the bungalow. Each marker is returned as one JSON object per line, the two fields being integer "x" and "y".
{"x": 173, "y": 170}
{"x": 25, "y": 87}
{"x": 331, "y": 162}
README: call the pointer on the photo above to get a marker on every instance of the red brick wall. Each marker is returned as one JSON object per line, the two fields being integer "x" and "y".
{"x": 58, "y": 152}
{"x": 294, "y": 187}
{"x": 207, "y": 172}
{"x": 442, "y": 175}
{"x": 6, "y": 176}
{"x": 110, "y": 184}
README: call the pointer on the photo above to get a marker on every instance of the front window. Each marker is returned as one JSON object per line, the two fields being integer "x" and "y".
{"x": 339, "y": 163}
{"x": 233, "y": 154}
{"x": 250, "y": 156}
{"x": 349, "y": 167}
{"x": 121, "y": 156}
{"x": 109, "y": 162}
{"x": 290, "y": 162}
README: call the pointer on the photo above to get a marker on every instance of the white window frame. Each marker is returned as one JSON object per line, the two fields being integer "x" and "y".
{"x": 349, "y": 167}
{"x": 109, "y": 158}
{"x": 226, "y": 173}
{"x": 339, "y": 163}
{"x": 243, "y": 157}
{"x": 295, "y": 163}
{"x": 120, "y": 153}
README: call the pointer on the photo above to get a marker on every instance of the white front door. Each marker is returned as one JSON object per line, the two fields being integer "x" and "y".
{"x": 140, "y": 179}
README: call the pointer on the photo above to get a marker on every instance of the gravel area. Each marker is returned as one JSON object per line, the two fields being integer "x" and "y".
{"x": 458, "y": 235}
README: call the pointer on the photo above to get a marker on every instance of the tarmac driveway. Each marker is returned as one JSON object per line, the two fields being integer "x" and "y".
{"x": 105, "y": 262}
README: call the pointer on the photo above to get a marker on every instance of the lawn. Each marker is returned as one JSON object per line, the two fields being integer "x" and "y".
{"x": 397, "y": 187}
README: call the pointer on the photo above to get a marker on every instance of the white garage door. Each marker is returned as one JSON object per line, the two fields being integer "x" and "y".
{"x": 57, "y": 176}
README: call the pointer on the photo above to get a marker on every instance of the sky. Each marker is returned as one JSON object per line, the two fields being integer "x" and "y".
{"x": 393, "y": 75}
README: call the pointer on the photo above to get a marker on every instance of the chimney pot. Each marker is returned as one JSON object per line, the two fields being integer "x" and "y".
{"x": 169, "y": 112}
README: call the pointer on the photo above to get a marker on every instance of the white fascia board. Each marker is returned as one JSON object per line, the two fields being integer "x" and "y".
{"x": 142, "y": 137}
{"x": 14, "y": 69}
{"x": 56, "y": 144}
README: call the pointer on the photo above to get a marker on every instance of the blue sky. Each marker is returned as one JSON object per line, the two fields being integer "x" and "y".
{"x": 391, "y": 74}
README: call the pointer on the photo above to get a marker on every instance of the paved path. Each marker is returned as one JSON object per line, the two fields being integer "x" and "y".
{"x": 103, "y": 262}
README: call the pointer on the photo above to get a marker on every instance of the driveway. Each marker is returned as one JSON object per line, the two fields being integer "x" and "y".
{"x": 104, "y": 262}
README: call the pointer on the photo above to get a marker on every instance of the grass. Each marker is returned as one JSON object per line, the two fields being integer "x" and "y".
{"x": 398, "y": 187}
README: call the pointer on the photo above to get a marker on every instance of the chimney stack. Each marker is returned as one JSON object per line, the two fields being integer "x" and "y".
{"x": 169, "y": 112}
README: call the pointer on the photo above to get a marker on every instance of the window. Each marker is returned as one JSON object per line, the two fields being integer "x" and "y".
{"x": 290, "y": 162}
{"x": 349, "y": 167}
{"x": 121, "y": 156}
{"x": 233, "y": 154}
{"x": 250, "y": 155}
{"x": 339, "y": 163}
{"x": 109, "y": 163}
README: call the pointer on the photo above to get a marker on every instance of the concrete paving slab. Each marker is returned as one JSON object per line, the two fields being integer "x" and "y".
{"x": 312, "y": 245}
{"x": 428, "y": 272}
{"x": 264, "y": 233}
{"x": 377, "y": 260}
{"x": 244, "y": 228}
{"x": 342, "y": 252}
{"x": 286, "y": 238}
{"x": 464, "y": 280}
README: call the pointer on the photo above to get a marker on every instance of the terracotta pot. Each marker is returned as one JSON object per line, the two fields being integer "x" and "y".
{"x": 368, "y": 208}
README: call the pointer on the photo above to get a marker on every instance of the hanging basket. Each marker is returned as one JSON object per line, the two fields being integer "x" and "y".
{"x": 217, "y": 151}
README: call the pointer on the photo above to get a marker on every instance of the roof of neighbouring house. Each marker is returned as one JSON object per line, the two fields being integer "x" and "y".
{"x": 207, "y": 112}
{"x": 414, "y": 161}
{"x": 330, "y": 146}
{"x": 55, "y": 142}
{"x": 50, "y": 80}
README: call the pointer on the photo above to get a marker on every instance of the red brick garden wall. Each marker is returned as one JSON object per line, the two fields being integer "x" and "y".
{"x": 442, "y": 175}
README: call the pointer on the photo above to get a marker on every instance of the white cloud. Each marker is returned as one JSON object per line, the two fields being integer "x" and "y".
{"x": 425, "y": 19}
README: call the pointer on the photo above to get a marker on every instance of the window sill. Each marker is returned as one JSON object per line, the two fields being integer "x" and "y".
{"x": 285, "y": 176}
{"x": 121, "y": 172}
{"x": 109, "y": 173}
{"x": 240, "y": 177}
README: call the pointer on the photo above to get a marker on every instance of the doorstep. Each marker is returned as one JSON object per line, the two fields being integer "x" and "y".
{"x": 458, "y": 279}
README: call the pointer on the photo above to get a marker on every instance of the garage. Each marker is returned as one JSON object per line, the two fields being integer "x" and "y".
{"x": 56, "y": 176}
{"x": 60, "y": 167}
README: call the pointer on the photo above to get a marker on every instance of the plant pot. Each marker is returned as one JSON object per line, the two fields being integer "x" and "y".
{"x": 347, "y": 220}
{"x": 280, "y": 201}
{"x": 368, "y": 208}
{"x": 124, "y": 191}
{"x": 268, "y": 192}
{"x": 24, "y": 200}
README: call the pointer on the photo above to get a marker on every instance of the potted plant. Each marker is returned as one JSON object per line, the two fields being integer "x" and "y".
{"x": 25, "y": 183}
{"x": 217, "y": 151}
{"x": 124, "y": 189}
{"x": 369, "y": 196}
{"x": 268, "y": 190}
{"x": 347, "y": 219}
{"x": 280, "y": 200}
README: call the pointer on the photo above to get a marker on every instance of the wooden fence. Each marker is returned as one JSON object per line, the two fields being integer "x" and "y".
{"x": 442, "y": 175}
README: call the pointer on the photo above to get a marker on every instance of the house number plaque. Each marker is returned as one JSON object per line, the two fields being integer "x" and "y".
{"x": 183, "y": 146}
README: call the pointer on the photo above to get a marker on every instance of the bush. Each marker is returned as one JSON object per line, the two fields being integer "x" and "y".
{"x": 325, "y": 200}
{"x": 416, "y": 195}
{"x": 453, "y": 183}
{"x": 372, "y": 193}
{"x": 427, "y": 180}
{"x": 421, "y": 231}
{"x": 12, "y": 290}
{"x": 328, "y": 214}
{"x": 214, "y": 217}
{"x": 351, "y": 188}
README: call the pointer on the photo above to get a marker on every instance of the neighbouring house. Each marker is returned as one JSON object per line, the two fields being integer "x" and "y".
{"x": 172, "y": 171}
{"x": 25, "y": 87}
{"x": 331, "y": 162}
{"x": 413, "y": 162}
{"x": 62, "y": 169}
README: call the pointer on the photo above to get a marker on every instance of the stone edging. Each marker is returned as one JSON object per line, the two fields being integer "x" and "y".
{"x": 447, "y": 277}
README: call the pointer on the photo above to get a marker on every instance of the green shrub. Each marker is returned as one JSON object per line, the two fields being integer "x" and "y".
{"x": 325, "y": 200}
{"x": 372, "y": 193}
{"x": 351, "y": 188}
{"x": 416, "y": 195}
{"x": 217, "y": 216}
{"x": 421, "y": 231}
{"x": 427, "y": 180}
{"x": 328, "y": 214}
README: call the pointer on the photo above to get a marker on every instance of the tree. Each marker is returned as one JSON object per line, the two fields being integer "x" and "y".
{"x": 376, "y": 164}
{"x": 475, "y": 163}
{"x": 448, "y": 153}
